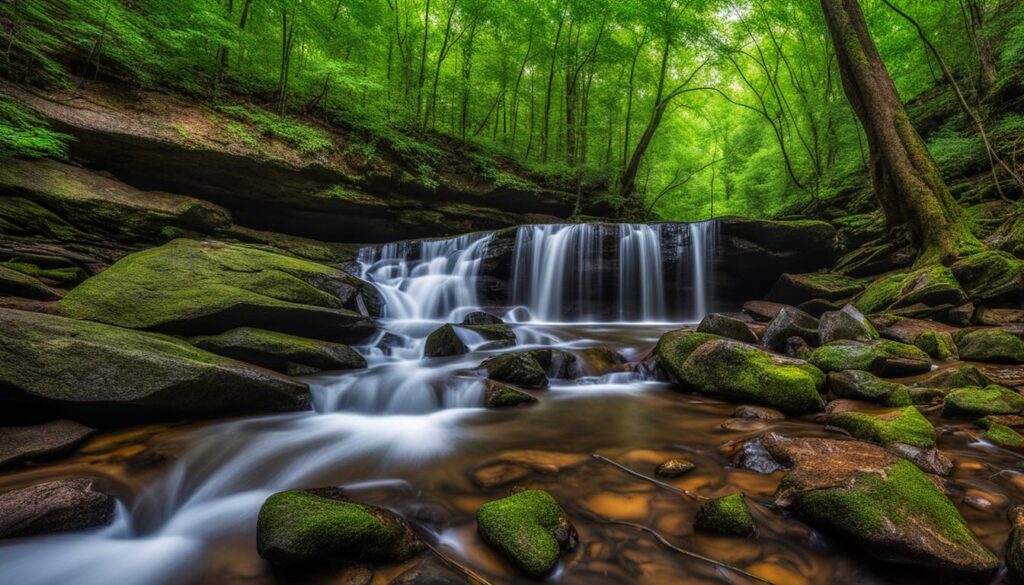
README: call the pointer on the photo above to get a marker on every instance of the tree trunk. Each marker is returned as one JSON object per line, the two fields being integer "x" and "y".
{"x": 982, "y": 48}
{"x": 545, "y": 129}
{"x": 423, "y": 60}
{"x": 906, "y": 179}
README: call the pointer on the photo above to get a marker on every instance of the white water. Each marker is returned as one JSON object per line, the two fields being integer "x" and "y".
{"x": 399, "y": 412}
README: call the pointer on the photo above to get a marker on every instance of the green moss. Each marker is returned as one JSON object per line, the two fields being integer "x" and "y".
{"x": 299, "y": 527}
{"x": 990, "y": 345}
{"x": 937, "y": 344}
{"x": 907, "y": 426}
{"x": 276, "y": 351}
{"x": 990, "y": 275}
{"x": 502, "y": 396}
{"x": 443, "y": 342}
{"x": 859, "y": 355}
{"x": 931, "y": 285}
{"x": 1002, "y": 435}
{"x": 340, "y": 193}
{"x": 974, "y": 401}
{"x": 58, "y": 275}
{"x": 306, "y": 139}
{"x": 19, "y": 216}
{"x": 727, "y": 515}
{"x": 520, "y": 368}
{"x": 863, "y": 385}
{"x": 881, "y": 294}
{"x": 23, "y": 134}
{"x": 494, "y": 332}
{"x": 523, "y": 527}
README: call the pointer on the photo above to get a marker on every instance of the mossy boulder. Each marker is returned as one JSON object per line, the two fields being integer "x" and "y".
{"x": 498, "y": 395}
{"x": 724, "y": 367}
{"x": 990, "y": 275}
{"x": 557, "y": 363}
{"x": 90, "y": 370}
{"x": 881, "y": 357}
{"x": 1000, "y": 434}
{"x": 303, "y": 527}
{"x": 726, "y": 326}
{"x": 444, "y": 342}
{"x": 930, "y": 286}
{"x": 188, "y": 287}
{"x": 906, "y": 425}
{"x": 883, "y": 504}
{"x": 481, "y": 318}
{"x": 958, "y": 377}
{"x": 861, "y": 385}
{"x": 529, "y": 528}
{"x": 937, "y": 344}
{"x": 498, "y": 334}
{"x": 845, "y": 323}
{"x": 281, "y": 352}
{"x": 974, "y": 401}
{"x": 520, "y": 368}
{"x": 728, "y": 516}
{"x": 789, "y": 322}
{"x": 793, "y": 289}
{"x": 1000, "y": 346}
{"x": 597, "y": 361}
{"x": 19, "y": 284}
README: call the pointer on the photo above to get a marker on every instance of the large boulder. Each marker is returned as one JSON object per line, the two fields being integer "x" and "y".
{"x": 304, "y": 527}
{"x": 444, "y": 342}
{"x": 529, "y": 528}
{"x": 905, "y": 329}
{"x": 280, "y": 351}
{"x": 846, "y": 323}
{"x": 557, "y": 363}
{"x": 54, "y": 506}
{"x": 790, "y": 322}
{"x": 885, "y": 505}
{"x": 990, "y": 276}
{"x": 975, "y": 402}
{"x": 880, "y": 357}
{"x": 725, "y": 367}
{"x": 725, "y": 326}
{"x": 90, "y": 370}
{"x": 520, "y": 368}
{"x": 905, "y": 425}
{"x": 1001, "y": 346}
{"x": 195, "y": 288}
{"x": 861, "y": 385}
{"x": 938, "y": 345}
{"x": 40, "y": 441}
{"x": 930, "y": 286}
{"x": 793, "y": 289}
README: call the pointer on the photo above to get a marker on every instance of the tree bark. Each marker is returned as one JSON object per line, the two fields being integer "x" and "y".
{"x": 906, "y": 179}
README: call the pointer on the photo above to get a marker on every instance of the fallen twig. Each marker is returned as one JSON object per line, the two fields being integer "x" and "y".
{"x": 668, "y": 486}
{"x": 454, "y": 564}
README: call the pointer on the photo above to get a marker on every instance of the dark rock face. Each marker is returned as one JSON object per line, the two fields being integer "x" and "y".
{"x": 15, "y": 283}
{"x": 793, "y": 289}
{"x": 790, "y": 322}
{"x": 846, "y": 323}
{"x": 40, "y": 441}
{"x": 481, "y": 318}
{"x": 56, "y": 506}
{"x": 726, "y": 326}
{"x": 520, "y": 368}
{"x": 443, "y": 342}
{"x": 498, "y": 395}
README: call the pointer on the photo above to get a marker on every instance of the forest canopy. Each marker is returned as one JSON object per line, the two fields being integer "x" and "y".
{"x": 679, "y": 110}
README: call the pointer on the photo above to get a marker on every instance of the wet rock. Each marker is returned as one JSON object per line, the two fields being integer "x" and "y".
{"x": 304, "y": 527}
{"x": 444, "y": 342}
{"x": 1000, "y": 434}
{"x": 529, "y": 528}
{"x": 990, "y": 275}
{"x": 188, "y": 287}
{"x": 906, "y": 329}
{"x": 1015, "y": 542}
{"x": 880, "y": 357}
{"x": 790, "y": 322}
{"x": 675, "y": 467}
{"x": 793, "y": 289}
{"x": 965, "y": 375}
{"x": 1000, "y": 317}
{"x": 89, "y": 370}
{"x": 817, "y": 307}
{"x": 763, "y": 311}
{"x": 754, "y": 457}
{"x": 557, "y": 364}
{"x": 481, "y": 318}
{"x": 928, "y": 460}
{"x": 905, "y": 425}
{"x": 861, "y": 385}
{"x": 55, "y": 506}
{"x": 930, "y": 286}
{"x": 40, "y": 441}
{"x": 431, "y": 571}
{"x": 728, "y": 516}
{"x": 846, "y": 323}
{"x": 519, "y": 368}
{"x": 498, "y": 395}
{"x": 725, "y": 367}
{"x": 498, "y": 334}
{"x": 875, "y": 258}
{"x": 961, "y": 316}
{"x": 280, "y": 351}
{"x": 998, "y": 346}
{"x": 726, "y": 326}
{"x": 937, "y": 344}
{"x": 973, "y": 401}
{"x": 598, "y": 361}
{"x": 17, "y": 284}
{"x": 757, "y": 413}
{"x": 500, "y": 473}
{"x": 798, "y": 348}
{"x": 884, "y": 504}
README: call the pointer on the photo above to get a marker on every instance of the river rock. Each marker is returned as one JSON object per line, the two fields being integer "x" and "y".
{"x": 675, "y": 467}
{"x": 793, "y": 289}
{"x": 303, "y": 527}
{"x": 974, "y": 401}
{"x": 529, "y": 528}
{"x": 991, "y": 275}
{"x": 728, "y": 516}
{"x": 790, "y": 322}
{"x": 557, "y": 363}
{"x": 430, "y": 571}
{"x": 95, "y": 371}
{"x": 885, "y": 505}
{"x": 999, "y": 346}
{"x": 961, "y": 316}
{"x": 757, "y": 413}
{"x": 498, "y": 395}
{"x": 905, "y": 425}
{"x": 861, "y": 385}
{"x": 481, "y": 318}
{"x": 196, "y": 288}
{"x": 444, "y": 342}
{"x": 938, "y": 345}
{"x": 797, "y": 347}
{"x": 764, "y": 311}
{"x": 880, "y": 357}
{"x": 714, "y": 365}
{"x": 726, "y": 326}
{"x": 996, "y": 317}
{"x": 906, "y": 329}
{"x": 498, "y": 334}
{"x": 846, "y": 323}
{"x": 519, "y": 368}
{"x": 280, "y": 351}
{"x": 930, "y": 286}
{"x": 1015, "y": 543}
{"x": 598, "y": 361}
{"x": 928, "y": 460}
{"x": 958, "y": 377}
{"x": 54, "y": 506}
{"x": 1000, "y": 434}
{"x": 40, "y": 441}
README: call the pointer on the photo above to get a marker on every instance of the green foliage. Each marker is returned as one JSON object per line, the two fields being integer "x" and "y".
{"x": 306, "y": 139}
{"x": 23, "y": 134}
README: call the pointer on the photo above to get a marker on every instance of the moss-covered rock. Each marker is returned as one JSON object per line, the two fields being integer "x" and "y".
{"x": 905, "y": 425}
{"x": 846, "y": 323}
{"x": 281, "y": 352}
{"x": 444, "y": 342}
{"x": 726, "y": 326}
{"x": 90, "y": 370}
{"x": 999, "y": 346}
{"x": 728, "y": 516}
{"x": 498, "y": 334}
{"x": 861, "y": 385}
{"x": 959, "y": 377}
{"x": 15, "y": 283}
{"x": 884, "y": 504}
{"x": 881, "y": 357}
{"x": 598, "y": 361}
{"x": 302, "y": 527}
{"x": 974, "y": 401}
{"x": 520, "y": 368}
{"x": 931, "y": 286}
{"x": 1015, "y": 543}
{"x": 529, "y": 528}
{"x": 196, "y": 288}
{"x": 990, "y": 275}
{"x": 498, "y": 395}
{"x": 789, "y": 322}
{"x": 793, "y": 289}
{"x": 710, "y": 364}
{"x": 557, "y": 363}
{"x": 937, "y": 344}
{"x": 1000, "y": 434}
{"x": 57, "y": 276}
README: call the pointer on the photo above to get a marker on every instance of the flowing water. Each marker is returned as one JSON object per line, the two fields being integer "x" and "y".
{"x": 410, "y": 434}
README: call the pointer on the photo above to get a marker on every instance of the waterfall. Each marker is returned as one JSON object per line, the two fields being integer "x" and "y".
{"x": 702, "y": 241}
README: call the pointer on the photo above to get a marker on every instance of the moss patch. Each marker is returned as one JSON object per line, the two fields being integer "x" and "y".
{"x": 863, "y": 385}
{"x": 907, "y": 426}
{"x": 443, "y": 342}
{"x": 974, "y": 401}
{"x": 529, "y": 528}
{"x": 1002, "y": 435}
{"x": 934, "y": 285}
{"x": 276, "y": 351}
{"x": 520, "y": 368}
{"x": 868, "y": 356}
{"x": 939, "y": 345}
{"x": 727, "y": 515}
{"x": 990, "y": 345}
{"x": 499, "y": 395}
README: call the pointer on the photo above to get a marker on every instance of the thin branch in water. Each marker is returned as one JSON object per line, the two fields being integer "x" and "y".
{"x": 454, "y": 564}
{"x": 670, "y": 487}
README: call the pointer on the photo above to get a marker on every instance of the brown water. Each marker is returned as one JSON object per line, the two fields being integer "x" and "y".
{"x": 191, "y": 492}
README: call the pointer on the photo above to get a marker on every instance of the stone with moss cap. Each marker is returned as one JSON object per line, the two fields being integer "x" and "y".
{"x": 958, "y": 377}
{"x": 906, "y": 425}
{"x": 884, "y": 504}
{"x": 991, "y": 275}
{"x": 973, "y": 401}
{"x": 714, "y": 365}
{"x": 529, "y": 528}
{"x": 19, "y": 284}
{"x": 993, "y": 345}
{"x": 934, "y": 285}
{"x": 302, "y": 527}
{"x": 498, "y": 395}
{"x": 793, "y": 289}
{"x": 444, "y": 342}
{"x": 862, "y": 385}
{"x": 937, "y": 344}
{"x": 196, "y": 288}
{"x": 498, "y": 334}
{"x": 881, "y": 357}
{"x": 281, "y": 352}
{"x": 520, "y": 368}
{"x": 726, "y": 326}
{"x": 845, "y": 323}
{"x": 728, "y": 516}
{"x": 1000, "y": 434}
